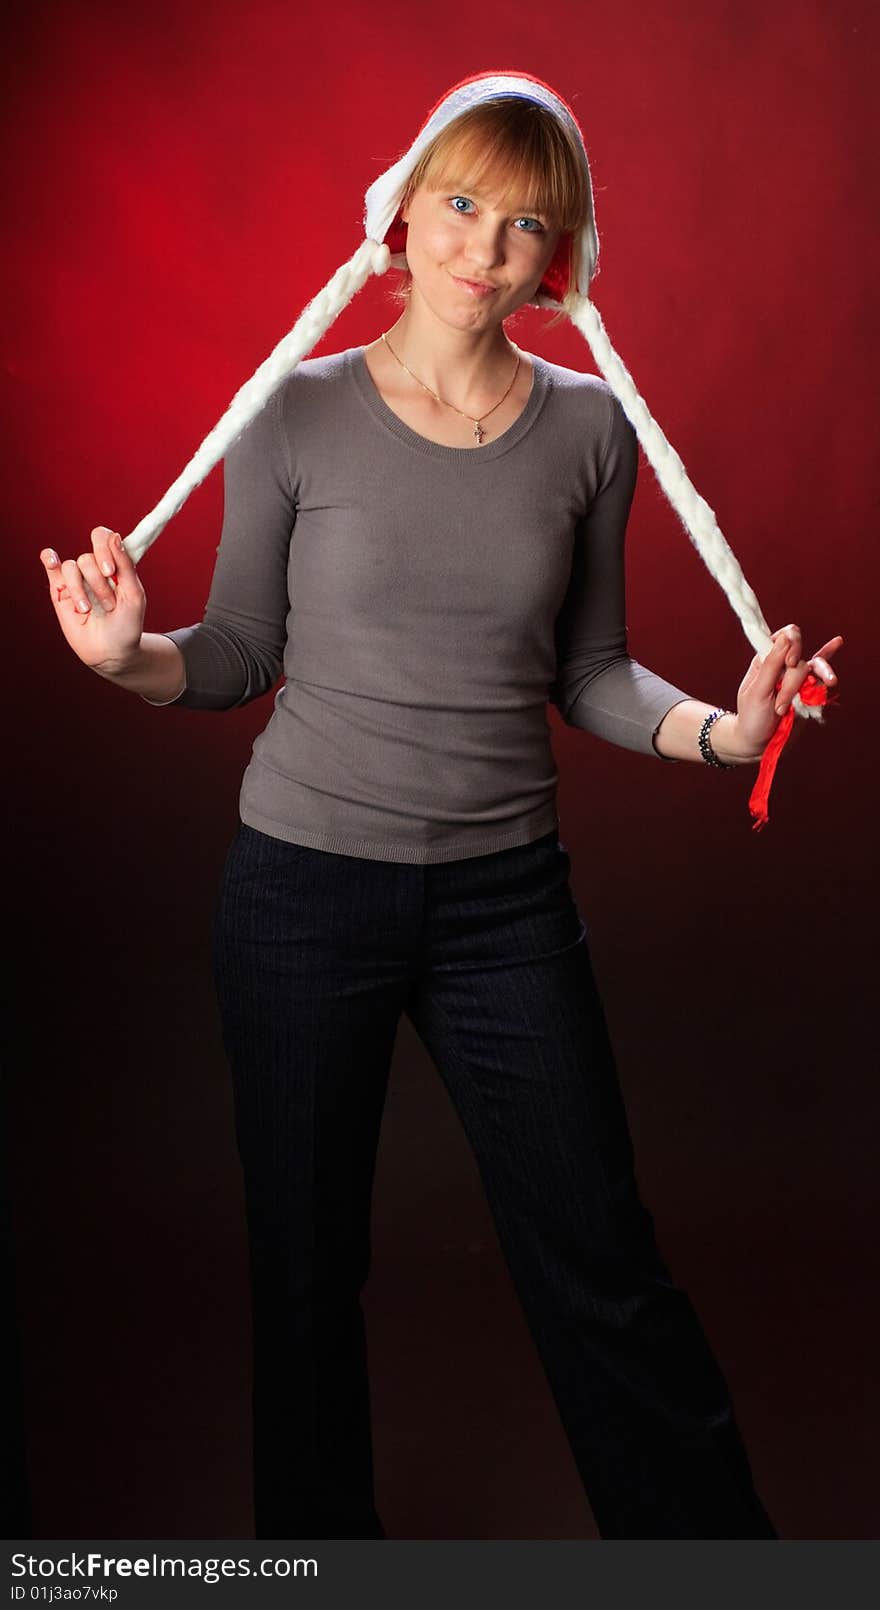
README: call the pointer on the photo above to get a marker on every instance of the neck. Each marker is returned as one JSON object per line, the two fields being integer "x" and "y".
{"x": 466, "y": 363}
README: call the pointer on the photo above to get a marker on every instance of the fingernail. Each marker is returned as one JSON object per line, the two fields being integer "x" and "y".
{"x": 83, "y": 605}
{"x": 53, "y": 558}
{"x": 780, "y": 709}
{"x": 107, "y": 568}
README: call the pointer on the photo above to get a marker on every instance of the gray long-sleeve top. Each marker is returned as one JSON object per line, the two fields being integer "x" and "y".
{"x": 424, "y": 603}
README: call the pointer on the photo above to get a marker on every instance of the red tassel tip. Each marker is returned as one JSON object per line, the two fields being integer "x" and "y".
{"x": 812, "y": 691}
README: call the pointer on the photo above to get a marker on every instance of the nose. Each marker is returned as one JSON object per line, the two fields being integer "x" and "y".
{"x": 486, "y": 244}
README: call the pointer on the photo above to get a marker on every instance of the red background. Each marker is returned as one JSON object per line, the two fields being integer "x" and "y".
{"x": 178, "y": 182}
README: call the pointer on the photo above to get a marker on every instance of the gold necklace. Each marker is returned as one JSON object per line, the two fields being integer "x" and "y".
{"x": 477, "y": 423}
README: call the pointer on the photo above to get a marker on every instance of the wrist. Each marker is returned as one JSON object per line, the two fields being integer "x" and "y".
{"x": 155, "y": 669}
{"x": 123, "y": 669}
{"x": 725, "y": 737}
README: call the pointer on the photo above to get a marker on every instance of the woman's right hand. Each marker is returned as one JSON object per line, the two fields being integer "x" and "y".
{"x": 99, "y": 602}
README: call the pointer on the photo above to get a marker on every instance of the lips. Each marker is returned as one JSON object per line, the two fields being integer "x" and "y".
{"x": 475, "y": 287}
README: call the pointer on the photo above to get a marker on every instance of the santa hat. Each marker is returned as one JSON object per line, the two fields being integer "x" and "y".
{"x": 382, "y": 220}
{"x": 384, "y": 245}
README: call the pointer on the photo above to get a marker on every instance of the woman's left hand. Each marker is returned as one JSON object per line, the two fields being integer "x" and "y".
{"x": 759, "y": 707}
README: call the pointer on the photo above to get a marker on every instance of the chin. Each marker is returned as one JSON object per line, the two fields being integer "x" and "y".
{"x": 450, "y": 303}
{"x": 463, "y": 306}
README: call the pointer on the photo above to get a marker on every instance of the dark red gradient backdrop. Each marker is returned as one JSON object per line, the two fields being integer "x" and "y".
{"x": 178, "y": 181}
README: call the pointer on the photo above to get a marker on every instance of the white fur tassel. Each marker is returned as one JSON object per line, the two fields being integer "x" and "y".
{"x": 694, "y": 512}
{"x": 371, "y": 257}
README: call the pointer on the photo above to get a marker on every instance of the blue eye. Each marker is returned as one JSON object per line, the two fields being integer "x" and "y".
{"x": 538, "y": 228}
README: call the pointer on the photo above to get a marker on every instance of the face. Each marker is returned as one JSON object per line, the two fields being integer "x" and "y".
{"x": 472, "y": 260}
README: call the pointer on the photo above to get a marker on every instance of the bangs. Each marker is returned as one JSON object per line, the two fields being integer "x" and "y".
{"x": 514, "y": 152}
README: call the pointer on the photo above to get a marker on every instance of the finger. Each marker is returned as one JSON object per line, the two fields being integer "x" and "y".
{"x": 52, "y": 566}
{"x": 772, "y": 666}
{"x": 748, "y": 680}
{"x": 59, "y": 592}
{"x": 795, "y": 637}
{"x": 76, "y": 587}
{"x": 102, "y": 537}
{"x": 791, "y": 681}
{"x": 100, "y": 590}
{"x": 126, "y": 569}
{"x": 827, "y": 649}
{"x": 820, "y": 668}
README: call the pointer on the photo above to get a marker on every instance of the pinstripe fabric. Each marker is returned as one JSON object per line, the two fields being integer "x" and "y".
{"x": 316, "y": 957}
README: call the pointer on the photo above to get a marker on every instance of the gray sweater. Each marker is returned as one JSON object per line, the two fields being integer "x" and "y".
{"x": 423, "y": 603}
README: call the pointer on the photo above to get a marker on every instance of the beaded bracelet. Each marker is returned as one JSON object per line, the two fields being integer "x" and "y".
{"x": 706, "y": 749}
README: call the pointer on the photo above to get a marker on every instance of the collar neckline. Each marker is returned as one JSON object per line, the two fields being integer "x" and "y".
{"x": 359, "y": 371}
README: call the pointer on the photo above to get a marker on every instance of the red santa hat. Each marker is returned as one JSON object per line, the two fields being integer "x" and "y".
{"x": 382, "y": 220}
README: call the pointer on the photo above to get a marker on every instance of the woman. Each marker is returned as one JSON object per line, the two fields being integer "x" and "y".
{"x": 426, "y": 533}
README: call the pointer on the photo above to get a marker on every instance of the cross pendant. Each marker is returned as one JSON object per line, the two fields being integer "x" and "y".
{"x": 478, "y": 430}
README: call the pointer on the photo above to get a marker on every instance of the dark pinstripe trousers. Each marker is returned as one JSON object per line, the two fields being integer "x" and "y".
{"x": 316, "y": 955}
